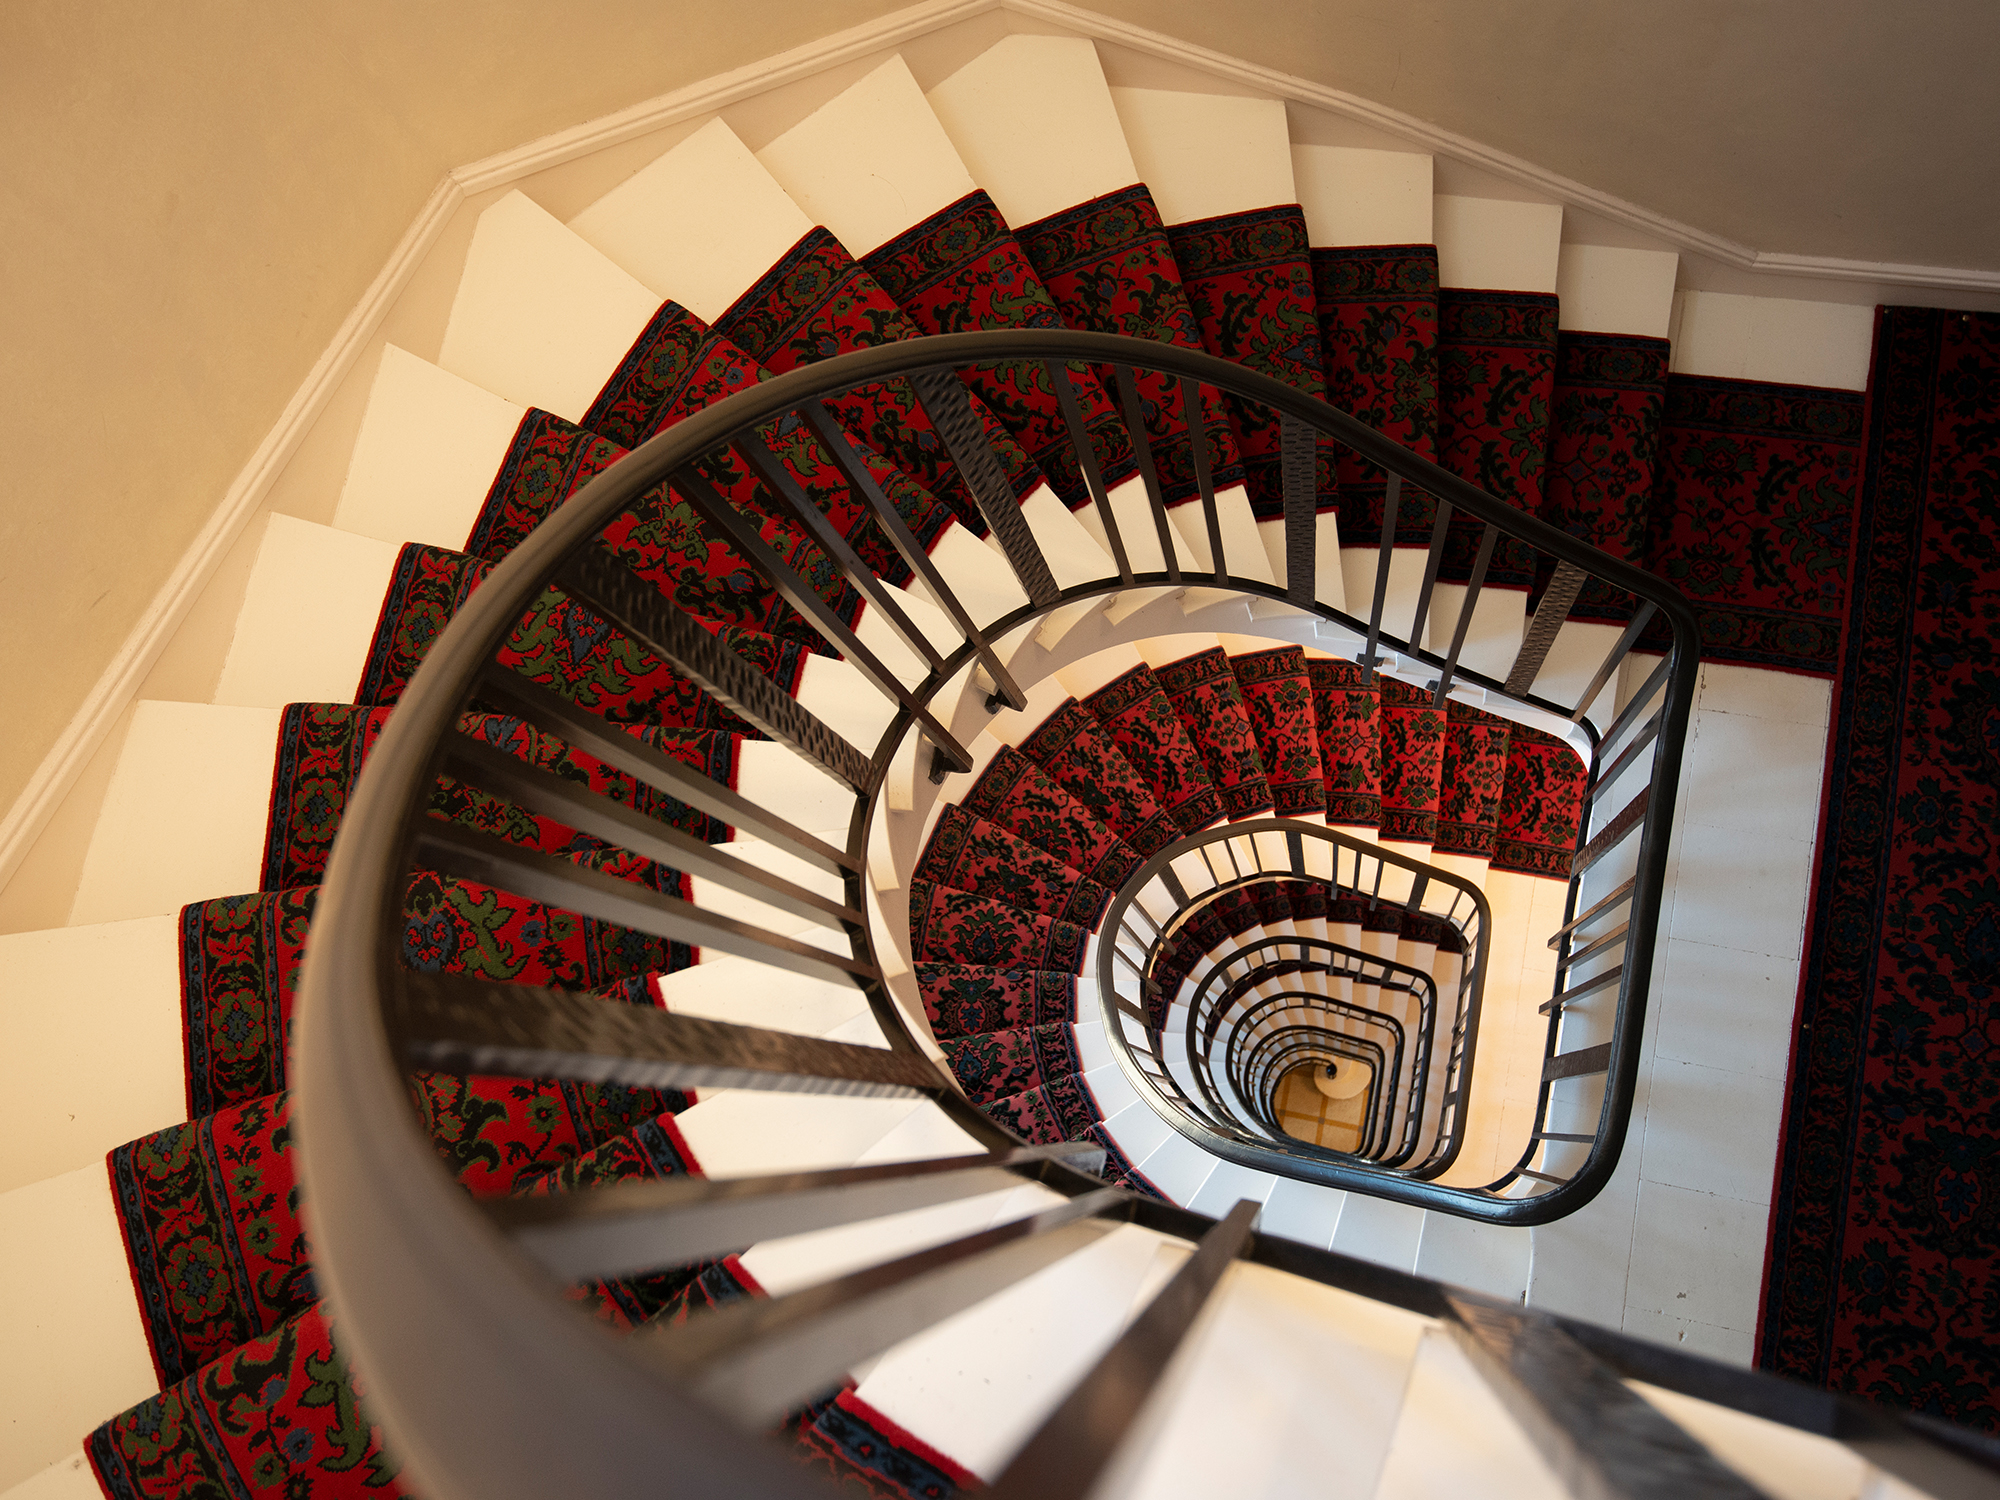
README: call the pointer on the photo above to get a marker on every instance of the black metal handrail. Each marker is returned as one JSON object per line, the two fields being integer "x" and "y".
{"x": 426, "y": 1280}
{"x": 1331, "y": 1014}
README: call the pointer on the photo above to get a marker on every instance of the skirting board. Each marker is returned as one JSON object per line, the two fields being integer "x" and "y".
{"x": 114, "y": 690}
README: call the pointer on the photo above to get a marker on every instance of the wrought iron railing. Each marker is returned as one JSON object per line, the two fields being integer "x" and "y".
{"x": 491, "y": 1384}
{"x": 1168, "y": 987}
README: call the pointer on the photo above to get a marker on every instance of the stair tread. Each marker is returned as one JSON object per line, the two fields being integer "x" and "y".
{"x": 704, "y": 262}
{"x": 1205, "y": 155}
{"x": 871, "y": 161}
{"x": 540, "y": 316}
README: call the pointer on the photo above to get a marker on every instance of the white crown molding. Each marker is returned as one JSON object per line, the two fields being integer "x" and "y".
{"x": 1426, "y": 136}
{"x": 121, "y": 679}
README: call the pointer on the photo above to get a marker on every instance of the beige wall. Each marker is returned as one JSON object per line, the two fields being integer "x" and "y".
{"x": 194, "y": 196}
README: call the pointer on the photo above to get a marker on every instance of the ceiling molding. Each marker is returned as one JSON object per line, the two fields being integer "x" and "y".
{"x": 717, "y": 93}
{"x": 1441, "y": 142}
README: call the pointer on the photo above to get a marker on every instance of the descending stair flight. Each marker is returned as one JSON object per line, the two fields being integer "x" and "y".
{"x": 833, "y": 559}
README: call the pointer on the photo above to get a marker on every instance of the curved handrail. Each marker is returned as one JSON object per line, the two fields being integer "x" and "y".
{"x": 422, "y": 1280}
{"x": 1241, "y": 1065}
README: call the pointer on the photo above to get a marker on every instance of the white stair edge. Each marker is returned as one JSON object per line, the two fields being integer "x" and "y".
{"x": 1206, "y": 155}
{"x": 872, "y": 161}
{"x": 1356, "y": 196}
{"x": 76, "y": 1097}
{"x": 540, "y": 316}
{"x": 1034, "y": 122}
{"x": 77, "y": 1348}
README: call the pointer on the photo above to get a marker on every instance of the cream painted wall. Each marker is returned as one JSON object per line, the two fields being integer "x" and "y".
{"x": 192, "y": 199}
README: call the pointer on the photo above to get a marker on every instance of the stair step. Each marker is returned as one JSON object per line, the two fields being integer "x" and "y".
{"x": 1073, "y": 547}
{"x": 1492, "y": 639}
{"x": 1229, "y": 1183}
{"x": 872, "y": 161}
{"x": 1453, "y": 1437}
{"x": 1376, "y": 1229}
{"x": 1034, "y": 122}
{"x": 1265, "y": 1339}
{"x": 1178, "y": 1168}
{"x": 1300, "y": 1211}
{"x": 744, "y": 1132}
{"x": 541, "y": 317}
{"x": 1773, "y": 338}
{"x": 1489, "y": 1258}
{"x": 308, "y": 617}
{"x": 76, "y": 1097}
{"x": 76, "y": 1347}
{"x": 755, "y": 995}
{"x": 424, "y": 459}
{"x": 1355, "y": 196}
{"x": 66, "y": 1479}
{"x": 771, "y": 776}
{"x": 1609, "y": 289}
{"x": 183, "y": 816}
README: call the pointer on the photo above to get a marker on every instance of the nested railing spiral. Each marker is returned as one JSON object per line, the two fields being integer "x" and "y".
{"x": 1173, "y": 989}
{"x": 452, "y": 1309}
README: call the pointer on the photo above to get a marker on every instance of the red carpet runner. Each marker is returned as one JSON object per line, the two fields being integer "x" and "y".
{"x": 1884, "y": 1273}
{"x": 1751, "y": 515}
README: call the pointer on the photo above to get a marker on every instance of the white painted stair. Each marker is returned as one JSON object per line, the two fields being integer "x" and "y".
{"x": 1332, "y": 1391}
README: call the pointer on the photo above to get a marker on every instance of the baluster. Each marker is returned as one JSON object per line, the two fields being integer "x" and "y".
{"x": 1149, "y": 469}
{"x": 611, "y": 590}
{"x": 1298, "y": 462}
{"x": 833, "y": 437}
{"x": 512, "y": 693}
{"x": 633, "y": 1226}
{"x": 779, "y": 483}
{"x": 949, "y": 406}
{"x": 733, "y": 525}
{"x": 1391, "y": 499}
{"x": 1198, "y": 448}
{"x": 756, "y": 1359}
{"x": 1550, "y": 613}
{"x": 1433, "y": 560}
{"x": 1640, "y": 619}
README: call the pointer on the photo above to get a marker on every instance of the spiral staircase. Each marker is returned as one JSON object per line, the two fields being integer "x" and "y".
{"x": 876, "y": 840}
